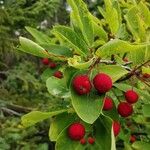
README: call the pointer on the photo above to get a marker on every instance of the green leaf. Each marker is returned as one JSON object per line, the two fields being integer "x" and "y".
{"x": 40, "y": 37}
{"x": 117, "y": 46}
{"x": 77, "y": 63}
{"x": 57, "y": 87}
{"x": 30, "y": 47}
{"x": 81, "y": 18}
{"x": 112, "y": 20}
{"x": 104, "y": 134}
{"x": 116, "y": 72}
{"x": 139, "y": 145}
{"x": 122, "y": 33}
{"x": 59, "y": 123}
{"x": 101, "y": 10}
{"x": 57, "y": 51}
{"x": 146, "y": 110}
{"x": 37, "y": 116}
{"x": 135, "y": 24}
{"x": 116, "y": 5}
{"x": 65, "y": 143}
{"x": 88, "y": 107}
{"x": 145, "y": 13}
{"x": 99, "y": 31}
{"x": 72, "y": 38}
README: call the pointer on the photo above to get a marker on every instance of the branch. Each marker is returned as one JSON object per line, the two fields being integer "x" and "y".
{"x": 133, "y": 72}
{"x": 10, "y": 112}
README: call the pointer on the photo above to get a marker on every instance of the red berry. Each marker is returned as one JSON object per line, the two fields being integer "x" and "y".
{"x": 91, "y": 140}
{"x": 76, "y": 131}
{"x": 116, "y": 127}
{"x": 132, "y": 138}
{"x": 52, "y": 65}
{"x": 131, "y": 96}
{"x": 108, "y": 103}
{"x": 45, "y": 61}
{"x": 146, "y": 75}
{"x": 125, "y": 59}
{"x": 58, "y": 74}
{"x": 83, "y": 141}
{"x": 125, "y": 109}
{"x": 102, "y": 82}
{"x": 82, "y": 84}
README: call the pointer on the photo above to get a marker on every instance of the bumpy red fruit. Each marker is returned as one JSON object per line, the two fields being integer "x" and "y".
{"x": 91, "y": 140}
{"x": 125, "y": 109}
{"x": 82, "y": 84}
{"x": 52, "y": 65}
{"x": 132, "y": 138}
{"x": 131, "y": 96}
{"x": 83, "y": 141}
{"x": 116, "y": 127}
{"x": 58, "y": 74}
{"x": 102, "y": 82}
{"x": 76, "y": 131}
{"x": 45, "y": 61}
{"x": 108, "y": 103}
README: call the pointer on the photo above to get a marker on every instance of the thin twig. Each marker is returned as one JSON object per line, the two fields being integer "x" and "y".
{"x": 133, "y": 72}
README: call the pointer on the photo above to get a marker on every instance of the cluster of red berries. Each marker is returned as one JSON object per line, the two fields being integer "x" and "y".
{"x": 52, "y": 65}
{"x": 76, "y": 132}
{"x": 82, "y": 84}
{"x": 125, "y": 108}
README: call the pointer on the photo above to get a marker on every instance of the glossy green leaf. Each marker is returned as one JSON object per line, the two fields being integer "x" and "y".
{"x": 57, "y": 87}
{"x": 88, "y": 107}
{"x": 72, "y": 38}
{"x": 57, "y": 51}
{"x": 40, "y": 37}
{"x": 104, "y": 134}
{"x": 31, "y": 47}
{"x": 65, "y": 143}
{"x": 37, "y": 116}
{"x": 59, "y": 123}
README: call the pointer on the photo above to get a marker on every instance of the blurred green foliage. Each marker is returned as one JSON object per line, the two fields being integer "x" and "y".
{"x": 20, "y": 73}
